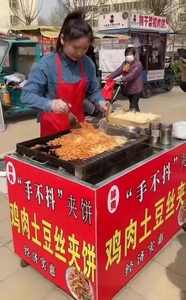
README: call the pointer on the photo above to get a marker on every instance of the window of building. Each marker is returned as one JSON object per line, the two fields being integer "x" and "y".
{"x": 14, "y": 21}
{"x": 13, "y": 4}
{"x": 120, "y": 6}
{"x": 105, "y": 9}
{"x": 95, "y": 10}
{"x": 133, "y": 5}
{"x": 182, "y": 17}
{"x": 95, "y": 23}
{"x": 182, "y": 2}
{"x": 115, "y": 7}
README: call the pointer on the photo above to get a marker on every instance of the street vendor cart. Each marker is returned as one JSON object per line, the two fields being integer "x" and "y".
{"x": 149, "y": 38}
{"x": 97, "y": 221}
{"x": 18, "y": 56}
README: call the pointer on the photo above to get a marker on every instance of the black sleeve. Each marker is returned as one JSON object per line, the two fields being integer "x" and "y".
{"x": 183, "y": 86}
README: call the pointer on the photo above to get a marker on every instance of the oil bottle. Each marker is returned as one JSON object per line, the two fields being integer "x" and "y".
{"x": 4, "y": 95}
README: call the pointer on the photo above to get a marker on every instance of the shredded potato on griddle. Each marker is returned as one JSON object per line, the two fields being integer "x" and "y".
{"x": 85, "y": 143}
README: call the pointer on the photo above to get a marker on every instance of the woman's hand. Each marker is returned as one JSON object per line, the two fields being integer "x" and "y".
{"x": 105, "y": 107}
{"x": 59, "y": 106}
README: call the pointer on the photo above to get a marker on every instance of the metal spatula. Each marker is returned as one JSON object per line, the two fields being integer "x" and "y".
{"x": 103, "y": 123}
{"x": 72, "y": 118}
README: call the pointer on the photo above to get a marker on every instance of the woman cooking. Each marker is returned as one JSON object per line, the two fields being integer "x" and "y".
{"x": 131, "y": 71}
{"x": 58, "y": 84}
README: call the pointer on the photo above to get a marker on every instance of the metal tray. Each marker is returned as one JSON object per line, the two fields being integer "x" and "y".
{"x": 87, "y": 168}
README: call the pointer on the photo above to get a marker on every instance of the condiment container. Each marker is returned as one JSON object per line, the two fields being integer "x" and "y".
{"x": 154, "y": 129}
{"x": 166, "y": 134}
{"x": 5, "y": 97}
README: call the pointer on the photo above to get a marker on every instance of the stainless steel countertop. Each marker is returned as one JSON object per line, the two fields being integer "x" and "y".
{"x": 162, "y": 150}
{"x": 165, "y": 148}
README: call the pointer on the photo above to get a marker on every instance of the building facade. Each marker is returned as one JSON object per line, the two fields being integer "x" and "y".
{"x": 8, "y": 19}
{"x": 106, "y": 7}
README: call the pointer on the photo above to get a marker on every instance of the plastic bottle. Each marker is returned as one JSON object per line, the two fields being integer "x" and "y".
{"x": 5, "y": 97}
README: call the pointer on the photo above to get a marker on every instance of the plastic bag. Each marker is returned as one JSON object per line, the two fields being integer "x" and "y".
{"x": 179, "y": 130}
{"x": 15, "y": 77}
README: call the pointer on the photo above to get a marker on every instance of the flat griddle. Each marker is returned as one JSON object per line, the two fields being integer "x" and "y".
{"x": 92, "y": 166}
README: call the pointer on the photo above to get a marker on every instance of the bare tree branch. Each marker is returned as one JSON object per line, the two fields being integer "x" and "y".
{"x": 180, "y": 29}
{"x": 25, "y": 11}
{"x": 64, "y": 7}
{"x": 42, "y": 21}
{"x": 160, "y": 7}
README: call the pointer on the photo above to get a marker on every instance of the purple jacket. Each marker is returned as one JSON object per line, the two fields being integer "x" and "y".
{"x": 132, "y": 81}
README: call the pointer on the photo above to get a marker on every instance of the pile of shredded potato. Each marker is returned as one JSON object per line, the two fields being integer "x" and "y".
{"x": 137, "y": 117}
{"x": 85, "y": 143}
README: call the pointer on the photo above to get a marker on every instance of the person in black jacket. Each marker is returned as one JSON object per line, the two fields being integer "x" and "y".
{"x": 183, "y": 74}
{"x": 89, "y": 108}
{"x": 90, "y": 53}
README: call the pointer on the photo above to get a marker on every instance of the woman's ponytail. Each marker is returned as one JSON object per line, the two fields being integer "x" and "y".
{"x": 74, "y": 27}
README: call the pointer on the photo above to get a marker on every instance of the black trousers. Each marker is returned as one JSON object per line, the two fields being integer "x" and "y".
{"x": 183, "y": 86}
{"x": 134, "y": 100}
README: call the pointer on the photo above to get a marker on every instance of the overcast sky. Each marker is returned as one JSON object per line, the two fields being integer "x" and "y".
{"x": 47, "y": 7}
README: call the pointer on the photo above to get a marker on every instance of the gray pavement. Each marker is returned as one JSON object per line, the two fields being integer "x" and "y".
{"x": 165, "y": 276}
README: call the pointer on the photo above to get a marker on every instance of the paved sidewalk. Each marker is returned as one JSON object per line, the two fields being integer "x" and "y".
{"x": 163, "y": 279}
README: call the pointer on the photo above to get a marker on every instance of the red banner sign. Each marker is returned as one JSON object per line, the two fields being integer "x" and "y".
{"x": 141, "y": 21}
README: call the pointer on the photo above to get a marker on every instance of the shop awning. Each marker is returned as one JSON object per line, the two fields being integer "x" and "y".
{"x": 129, "y": 30}
{"x": 52, "y": 32}
{"x": 99, "y": 35}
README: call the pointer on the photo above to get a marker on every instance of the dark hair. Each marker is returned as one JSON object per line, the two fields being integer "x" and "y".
{"x": 90, "y": 53}
{"x": 74, "y": 27}
{"x": 130, "y": 49}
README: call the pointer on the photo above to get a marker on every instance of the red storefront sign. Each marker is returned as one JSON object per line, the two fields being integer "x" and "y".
{"x": 141, "y": 21}
{"x": 110, "y": 232}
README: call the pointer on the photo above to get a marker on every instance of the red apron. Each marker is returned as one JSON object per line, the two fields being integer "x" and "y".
{"x": 74, "y": 94}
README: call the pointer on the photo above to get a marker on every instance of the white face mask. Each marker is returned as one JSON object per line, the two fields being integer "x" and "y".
{"x": 129, "y": 58}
